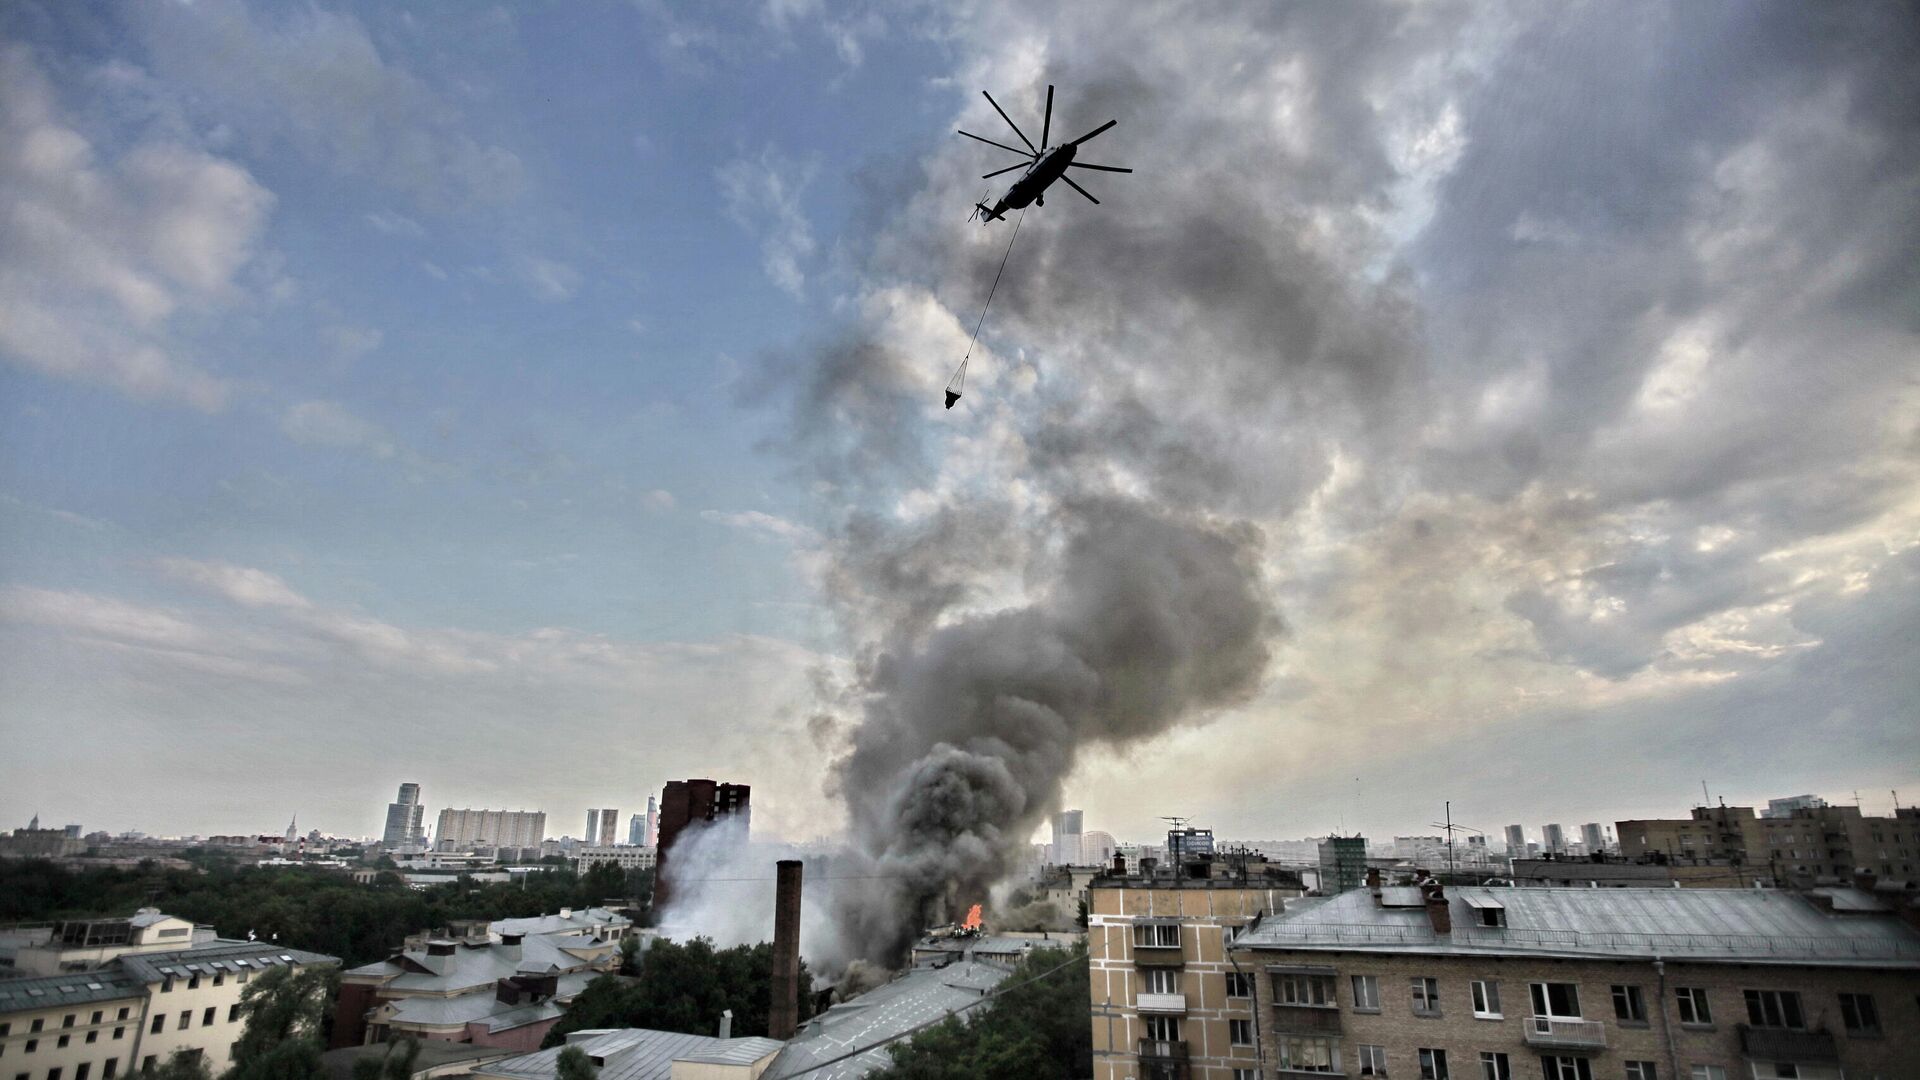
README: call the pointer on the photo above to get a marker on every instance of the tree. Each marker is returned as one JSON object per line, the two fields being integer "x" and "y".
{"x": 574, "y": 1064}
{"x": 180, "y": 1065}
{"x": 684, "y": 986}
{"x": 1040, "y": 1025}
{"x": 284, "y": 1009}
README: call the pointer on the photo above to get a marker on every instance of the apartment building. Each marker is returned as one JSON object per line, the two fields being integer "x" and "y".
{"x": 1169, "y": 1000}
{"x": 1796, "y": 845}
{"x": 1586, "y": 984}
{"x": 134, "y": 1008}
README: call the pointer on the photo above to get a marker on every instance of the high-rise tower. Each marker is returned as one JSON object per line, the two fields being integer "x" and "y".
{"x": 406, "y": 819}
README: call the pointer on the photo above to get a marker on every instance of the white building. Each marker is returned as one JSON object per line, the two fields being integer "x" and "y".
{"x": 626, "y": 858}
{"x": 463, "y": 829}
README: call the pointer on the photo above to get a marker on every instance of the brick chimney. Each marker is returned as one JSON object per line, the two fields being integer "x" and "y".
{"x": 1119, "y": 865}
{"x": 1373, "y": 883}
{"x": 783, "y": 1012}
{"x": 1437, "y": 912}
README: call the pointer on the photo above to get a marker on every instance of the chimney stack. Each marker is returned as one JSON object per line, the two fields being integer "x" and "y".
{"x": 1119, "y": 865}
{"x": 1437, "y": 911}
{"x": 783, "y": 1013}
{"x": 726, "y": 1023}
{"x": 1373, "y": 883}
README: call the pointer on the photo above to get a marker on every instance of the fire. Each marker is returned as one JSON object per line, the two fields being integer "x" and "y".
{"x": 973, "y": 918}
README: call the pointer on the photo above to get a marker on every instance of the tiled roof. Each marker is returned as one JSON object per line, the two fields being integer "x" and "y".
{"x": 1743, "y": 925}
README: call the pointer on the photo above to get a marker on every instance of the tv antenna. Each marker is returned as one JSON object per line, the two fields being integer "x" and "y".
{"x": 1175, "y": 820}
{"x": 1451, "y": 828}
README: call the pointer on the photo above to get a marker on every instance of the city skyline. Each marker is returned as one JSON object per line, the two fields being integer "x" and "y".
{"x": 414, "y": 378}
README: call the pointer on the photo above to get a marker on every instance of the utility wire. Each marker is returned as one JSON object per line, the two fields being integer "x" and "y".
{"x": 960, "y": 373}
{"x": 918, "y": 1028}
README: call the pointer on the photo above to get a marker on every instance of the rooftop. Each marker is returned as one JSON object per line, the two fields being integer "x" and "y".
{"x": 634, "y": 1054}
{"x": 71, "y": 988}
{"x": 471, "y": 967}
{"x": 1735, "y": 925}
{"x": 919, "y": 996}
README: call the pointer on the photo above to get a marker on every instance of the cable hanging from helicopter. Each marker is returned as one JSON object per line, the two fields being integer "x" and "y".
{"x": 1043, "y": 166}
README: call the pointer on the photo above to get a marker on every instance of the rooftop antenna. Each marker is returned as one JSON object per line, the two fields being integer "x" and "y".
{"x": 1705, "y": 799}
{"x": 1175, "y": 820}
{"x": 1896, "y": 802}
{"x": 1451, "y": 828}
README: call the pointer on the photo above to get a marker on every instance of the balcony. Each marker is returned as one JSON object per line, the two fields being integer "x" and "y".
{"x": 1163, "y": 1004}
{"x": 1781, "y": 1044}
{"x": 1158, "y": 956}
{"x": 1306, "y": 1019}
{"x": 1558, "y": 1033}
{"x": 1161, "y": 1059}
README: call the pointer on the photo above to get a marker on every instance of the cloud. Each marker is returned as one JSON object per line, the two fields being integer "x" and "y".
{"x": 393, "y": 224}
{"x": 240, "y": 584}
{"x": 316, "y": 81}
{"x": 98, "y": 253}
{"x": 764, "y": 525}
{"x": 763, "y": 194}
{"x": 659, "y": 500}
{"x": 331, "y": 425}
{"x": 548, "y": 279}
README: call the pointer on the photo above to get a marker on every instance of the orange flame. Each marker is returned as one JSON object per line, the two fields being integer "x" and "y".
{"x": 973, "y": 918}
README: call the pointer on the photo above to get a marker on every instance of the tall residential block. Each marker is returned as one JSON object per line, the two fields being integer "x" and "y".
{"x": 609, "y": 834}
{"x": 406, "y": 819}
{"x": 1343, "y": 863}
{"x": 1592, "y": 837}
{"x": 1553, "y": 839}
{"x": 1067, "y": 826}
{"x": 653, "y": 823}
{"x": 1516, "y": 842}
{"x": 1810, "y": 845}
{"x": 636, "y": 830}
{"x": 460, "y": 829}
{"x": 592, "y": 835}
{"x": 689, "y": 802}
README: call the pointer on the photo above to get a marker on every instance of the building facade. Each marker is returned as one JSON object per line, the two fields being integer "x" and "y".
{"x": 463, "y": 830}
{"x": 1584, "y": 984}
{"x": 1168, "y": 999}
{"x": 406, "y": 819}
{"x": 1516, "y": 842}
{"x": 626, "y": 858}
{"x": 1343, "y": 863}
{"x": 688, "y": 802}
{"x": 609, "y": 834}
{"x": 123, "y": 998}
{"x": 1802, "y": 846}
{"x": 1553, "y": 839}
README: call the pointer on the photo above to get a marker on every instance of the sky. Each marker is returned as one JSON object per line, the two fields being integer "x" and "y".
{"x": 541, "y": 402}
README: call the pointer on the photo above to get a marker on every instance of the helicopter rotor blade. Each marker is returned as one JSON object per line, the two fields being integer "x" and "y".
{"x": 1010, "y": 168}
{"x": 1088, "y": 137}
{"x": 1102, "y": 168}
{"x": 1079, "y": 189}
{"x": 1002, "y": 146}
{"x": 1046, "y": 124}
{"x": 1010, "y": 123}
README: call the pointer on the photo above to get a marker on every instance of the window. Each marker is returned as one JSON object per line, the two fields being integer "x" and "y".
{"x": 1156, "y": 935}
{"x": 159, "y": 1023}
{"x": 1491, "y": 916}
{"x": 5, "y": 1029}
{"x": 37, "y": 1024}
{"x": 93, "y": 1036}
{"x": 110, "y": 1069}
{"x": 1163, "y": 1028}
{"x": 1775, "y": 1009}
{"x": 186, "y": 1019}
{"x": 1246, "y": 1074}
{"x": 1373, "y": 1059}
{"x": 1304, "y": 990}
{"x": 32, "y": 1045}
{"x": 1486, "y": 998}
{"x": 233, "y": 1011}
{"x": 1708, "y": 1072}
{"x": 1433, "y": 1064}
{"x": 64, "y": 1040}
{"x": 193, "y": 982}
{"x": 148, "y": 1061}
{"x": 166, "y": 985}
{"x": 1240, "y": 1032}
{"x": 219, "y": 979}
{"x": 245, "y": 975}
{"x": 119, "y": 1032}
{"x": 206, "y": 1017}
{"x": 1628, "y": 1005}
{"x": 1566, "y": 1068}
{"x": 1426, "y": 996}
{"x": 1239, "y": 984}
{"x": 1366, "y": 993}
{"x": 1556, "y": 999}
{"x": 1495, "y": 1066}
{"x": 1693, "y": 1005}
{"x": 97, "y": 1014}
{"x": 1307, "y": 1053}
{"x": 1857, "y": 1011}
{"x": 1158, "y": 981}
{"x": 1642, "y": 1070}
{"x": 123, "y": 1013}
{"x": 81, "y": 1070}
{"x": 66, "y": 1021}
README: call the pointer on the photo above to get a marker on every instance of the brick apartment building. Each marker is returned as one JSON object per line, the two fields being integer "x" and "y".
{"x": 1168, "y": 1000}
{"x": 1586, "y": 984}
{"x": 685, "y": 802}
{"x": 1797, "y": 846}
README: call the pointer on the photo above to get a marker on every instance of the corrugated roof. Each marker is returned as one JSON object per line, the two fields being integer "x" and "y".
{"x": 879, "y": 1014}
{"x": 633, "y": 1054}
{"x": 153, "y": 967}
{"x": 1751, "y": 925}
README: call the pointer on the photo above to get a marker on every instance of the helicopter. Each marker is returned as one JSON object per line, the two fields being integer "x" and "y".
{"x": 1043, "y": 165}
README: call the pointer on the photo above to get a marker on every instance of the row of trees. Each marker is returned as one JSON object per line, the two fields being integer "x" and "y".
{"x": 319, "y": 910}
{"x": 683, "y": 987}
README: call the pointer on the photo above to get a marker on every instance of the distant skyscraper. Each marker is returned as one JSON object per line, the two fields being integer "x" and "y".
{"x": 1592, "y": 837}
{"x": 687, "y": 802}
{"x": 592, "y": 835}
{"x": 637, "y": 830}
{"x": 1516, "y": 841}
{"x": 1343, "y": 864}
{"x": 1553, "y": 839}
{"x": 609, "y": 828}
{"x": 653, "y": 822}
{"x": 462, "y": 829}
{"x": 406, "y": 819}
{"x": 1067, "y": 826}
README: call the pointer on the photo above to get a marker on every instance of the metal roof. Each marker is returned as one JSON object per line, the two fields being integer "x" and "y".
{"x": 70, "y": 988}
{"x": 1747, "y": 925}
{"x": 227, "y": 955}
{"x": 475, "y": 966}
{"x": 634, "y": 1054}
{"x": 879, "y": 1014}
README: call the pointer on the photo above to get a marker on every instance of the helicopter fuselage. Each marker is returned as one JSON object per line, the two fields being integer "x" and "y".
{"x": 1034, "y": 183}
